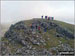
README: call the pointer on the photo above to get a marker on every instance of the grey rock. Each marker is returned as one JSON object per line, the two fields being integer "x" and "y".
{"x": 64, "y": 32}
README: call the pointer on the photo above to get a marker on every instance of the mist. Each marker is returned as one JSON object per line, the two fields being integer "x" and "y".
{"x": 14, "y": 11}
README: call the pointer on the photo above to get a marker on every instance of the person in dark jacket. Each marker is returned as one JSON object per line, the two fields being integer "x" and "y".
{"x": 45, "y": 17}
{"x": 42, "y": 17}
{"x": 36, "y": 27}
{"x": 45, "y": 29}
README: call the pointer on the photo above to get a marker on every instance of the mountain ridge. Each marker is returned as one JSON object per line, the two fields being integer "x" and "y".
{"x": 21, "y": 35}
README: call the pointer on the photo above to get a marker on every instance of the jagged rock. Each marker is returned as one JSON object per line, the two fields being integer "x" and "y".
{"x": 58, "y": 35}
{"x": 64, "y": 32}
{"x": 4, "y": 48}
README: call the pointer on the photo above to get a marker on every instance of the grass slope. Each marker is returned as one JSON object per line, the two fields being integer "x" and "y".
{"x": 70, "y": 27}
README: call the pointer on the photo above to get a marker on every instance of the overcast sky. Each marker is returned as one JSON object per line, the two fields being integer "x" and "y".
{"x": 13, "y": 11}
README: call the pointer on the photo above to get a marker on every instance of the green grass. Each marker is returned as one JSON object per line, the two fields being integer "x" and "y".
{"x": 4, "y": 39}
{"x": 53, "y": 42}
{"x": 69, "y": 27}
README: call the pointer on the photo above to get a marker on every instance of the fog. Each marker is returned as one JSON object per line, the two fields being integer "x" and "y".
{"x": 14, "y": 11}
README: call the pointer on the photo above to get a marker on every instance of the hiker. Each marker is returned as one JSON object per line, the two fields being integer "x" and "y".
{"x": 41, "y": 24}
{"x": 42, "y": 17}
{"x": 39, "y": 28}
{"x": 45, "y": 29}
{"x": 48, "y": 18}
{"x": 36, "y": 27}
{"x": 52, "y": 18}
{"x": 45, "y": 17}
{"x": 31, "y": 26}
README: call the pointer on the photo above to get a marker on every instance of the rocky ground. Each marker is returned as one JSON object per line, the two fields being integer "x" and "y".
{"x": 21, "y": 40}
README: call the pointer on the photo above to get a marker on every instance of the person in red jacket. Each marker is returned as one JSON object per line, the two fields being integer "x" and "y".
{"x": 39, "y": 29}
{"x": 31, "y": 26}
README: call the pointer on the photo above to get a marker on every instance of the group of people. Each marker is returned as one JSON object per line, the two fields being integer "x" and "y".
{"x": 48, "y": 17}
{"x": 38, "y": 27}
{"x": 35, "y": 27}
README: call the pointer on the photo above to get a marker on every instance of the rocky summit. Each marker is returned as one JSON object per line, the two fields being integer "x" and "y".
{"x": 37, "y": 37}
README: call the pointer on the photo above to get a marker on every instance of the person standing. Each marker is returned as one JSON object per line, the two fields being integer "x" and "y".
{"x": 42, "y": 17}
{"x": 45, "y": 17}
{"x": 39, "y": 28}
{"x": 45, "y": 29}
{"x": 52, "y": 18}
{"x": 36, "y": 26}
{"x": 31, "y": 26}
{"x": 48, "y": 18}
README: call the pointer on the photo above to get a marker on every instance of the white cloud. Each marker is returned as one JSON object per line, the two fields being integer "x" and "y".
{"x": 12, "y": 11}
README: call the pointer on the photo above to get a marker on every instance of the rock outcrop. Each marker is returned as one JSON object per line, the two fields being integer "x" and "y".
{"x": 64, "y": 32}
{"x": 20, "y": 33}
